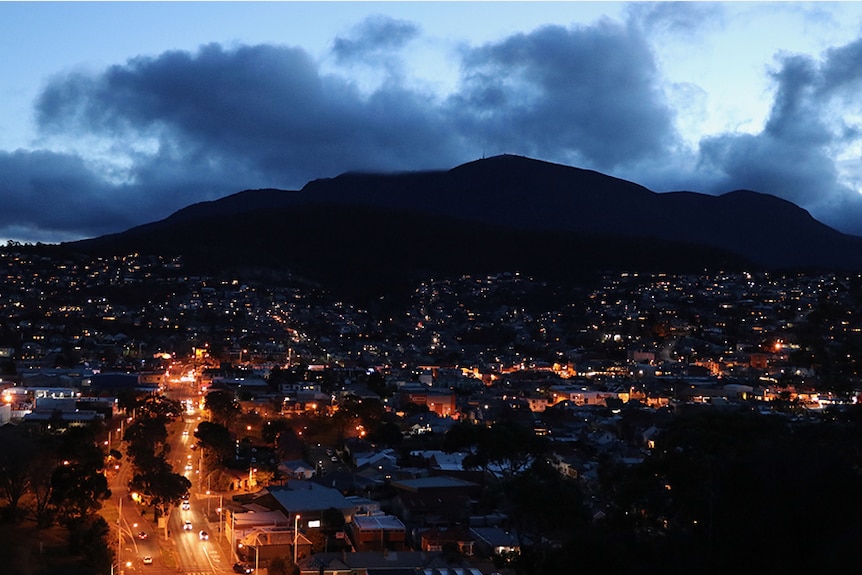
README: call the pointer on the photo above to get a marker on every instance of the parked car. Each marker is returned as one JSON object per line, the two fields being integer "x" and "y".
{"x": 243, "y": 568}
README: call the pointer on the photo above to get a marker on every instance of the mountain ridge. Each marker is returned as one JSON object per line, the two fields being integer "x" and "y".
{"x": 510, "y": 201}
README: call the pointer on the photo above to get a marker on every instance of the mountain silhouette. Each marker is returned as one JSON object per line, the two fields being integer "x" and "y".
{"x": 503, "y": 213}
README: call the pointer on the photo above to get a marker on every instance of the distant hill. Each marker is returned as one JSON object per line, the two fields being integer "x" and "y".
{"x": 367, "y": 232}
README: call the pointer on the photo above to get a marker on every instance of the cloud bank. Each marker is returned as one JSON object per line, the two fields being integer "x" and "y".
{"x": 138, "y": 140}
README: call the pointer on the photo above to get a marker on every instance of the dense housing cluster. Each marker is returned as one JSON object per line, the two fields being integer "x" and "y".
{"x": 427, "y": 431}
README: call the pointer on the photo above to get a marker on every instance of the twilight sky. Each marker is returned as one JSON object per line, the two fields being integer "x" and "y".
{"x": 117, "y": 114}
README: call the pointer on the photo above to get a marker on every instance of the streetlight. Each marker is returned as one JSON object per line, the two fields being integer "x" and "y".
{"x": 295, "y": 533}
{"x": 233, "y": 531}
{"x": 255, "y": 559}
{"x": 119, "y": 534}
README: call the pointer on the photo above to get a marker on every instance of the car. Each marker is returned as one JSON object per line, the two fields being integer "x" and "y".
{"x": 185, "y": 431}
{"x": 186, "y": 505}
{"x": 147, "y": 560}
{"x": 203, "y": 535}
{"x": 187, "y": 525}
{"x": 189, "y": 466}
{"x": 243, "y": 568}
{"x": 142, "y": 535}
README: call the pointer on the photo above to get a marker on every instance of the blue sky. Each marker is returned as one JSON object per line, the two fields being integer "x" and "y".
{"x": 114, "y": 114}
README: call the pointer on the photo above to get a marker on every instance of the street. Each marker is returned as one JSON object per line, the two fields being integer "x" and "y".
{"x": 144, "y": 546}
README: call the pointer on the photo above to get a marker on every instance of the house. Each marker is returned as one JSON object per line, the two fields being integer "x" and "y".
{"x": 495, "y": 541}
{"x": 296, "y": 469}
{"x": 305, "y": 498}
{"x": 262, "y": 544}
{"x": 363, "y": 505}
{"x": 241, "y": 526}
{"x": 373, "y": 562}
{"x": 377, "y": 532}
{"x": 440, "y": 402}
{"x": 383, "y": 459}
{"x": 434, "y": 539}
{"x": 436, "y": 500}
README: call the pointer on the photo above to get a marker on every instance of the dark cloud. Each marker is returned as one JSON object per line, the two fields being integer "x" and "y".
{"x": 225, "y": 120}
{"x": 218, "y": 120}
{"x": 376, "y": 36}
{"x": 54, "y": 197}
{"x": 793, "y": 157}
{"x": 192, "y": 126}
{"x": 584, "y": 94}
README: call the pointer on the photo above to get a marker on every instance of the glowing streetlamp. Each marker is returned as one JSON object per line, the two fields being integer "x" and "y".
{"x": 295, "y": 533}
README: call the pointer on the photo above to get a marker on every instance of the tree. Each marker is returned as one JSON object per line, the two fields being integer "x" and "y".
{"x": 269, "y": 432}
{"x": 159, "y": 406}
{"x": 146, "y": 441}
{"x": 377, "y": 383}
{"x": 289, "y": 445}
{"x": 510, "y": 447}
{"x": 77, "y": 490}
{"x": 355, "y": 411}
{"x": 89, "y": 536}
{"x": 127, "y": 399}
{"x": 720, "y": 479}
{"x": 388, "y": 433}
{"x": 331, "y": 521}
{"x": 534, "y": 511}
{"x": 17, "y": 457}
{"x": 79, "y": 444}
{"x": 223, "y": 407}
{"x": 41, "y": 489}
{"x": 160, "y": 486}
{"x": 505, "y": 446}
{"x": 215, "y": 438}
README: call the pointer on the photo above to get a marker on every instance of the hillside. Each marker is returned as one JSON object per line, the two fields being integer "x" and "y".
{"x": 367, "y": 232}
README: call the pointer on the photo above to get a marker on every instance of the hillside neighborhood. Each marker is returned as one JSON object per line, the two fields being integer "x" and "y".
{"x": 417, "y": 439}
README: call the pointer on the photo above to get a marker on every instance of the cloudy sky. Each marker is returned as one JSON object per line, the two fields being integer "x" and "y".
{"x": 116, "y": 114}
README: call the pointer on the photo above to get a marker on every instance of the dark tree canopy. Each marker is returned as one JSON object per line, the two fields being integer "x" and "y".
{"x": 19, "y": 454}
{"x": 505, "y": 446}
{"x": 717, "y": 481}
{"x": 216, "y": 438}
{"x": 223, "y": 406}
{"x": 160, "y": 486}
{"x": 78, "y": 490}
{"x": 146, "y": 441}
{"x": 159, "y": 407}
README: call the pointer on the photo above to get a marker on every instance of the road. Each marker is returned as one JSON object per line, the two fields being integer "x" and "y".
{"x": 194, "y": 554}
{"x": 129, "y": 523}
{"x": 172, "y": 548}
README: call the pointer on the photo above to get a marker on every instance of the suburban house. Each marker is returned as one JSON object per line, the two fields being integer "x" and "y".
{"x": 377, "y": 532}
